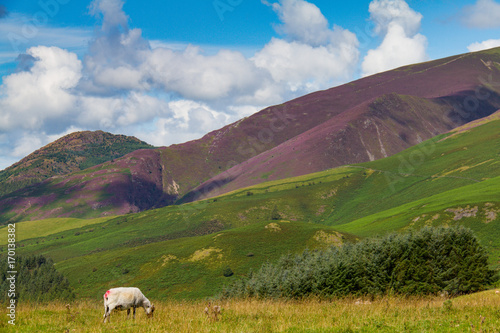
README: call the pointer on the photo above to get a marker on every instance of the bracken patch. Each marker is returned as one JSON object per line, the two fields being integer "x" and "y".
{"x": 204, "y": 254}
{"x": 273, "y": 227}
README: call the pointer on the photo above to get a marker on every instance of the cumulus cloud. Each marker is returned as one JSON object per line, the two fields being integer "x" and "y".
{"x": 302, "y": 21}
{"x": 113, "y": 16}
{"x": 398, "y": 25}
{"x": 303, "y": 67}
{"x": 32, "y": 97}
{"x": 487, "y": 44}
{"x": 197, "y": 76}
{"x": 187, "y": 120}
{"x": 483, "y": 14}
{"x": 386, "y": 13}
{"x": 312, "y": 55}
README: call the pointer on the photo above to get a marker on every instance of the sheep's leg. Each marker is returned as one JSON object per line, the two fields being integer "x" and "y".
{"x": 107, "y": 312}
{"x": 128, "y": 313}
{"x": 134, "y": 312}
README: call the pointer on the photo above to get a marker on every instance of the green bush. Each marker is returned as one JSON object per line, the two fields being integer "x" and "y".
{"x": 275, "y": 214}
{"x": 429, "y": 261}
{"x": 228, "y": 272}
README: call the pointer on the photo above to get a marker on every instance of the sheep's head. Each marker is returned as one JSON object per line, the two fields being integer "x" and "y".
{"x": 150, "y": 310}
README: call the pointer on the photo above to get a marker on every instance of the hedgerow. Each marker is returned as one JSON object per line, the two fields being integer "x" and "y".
{"x": 429, "y": 261}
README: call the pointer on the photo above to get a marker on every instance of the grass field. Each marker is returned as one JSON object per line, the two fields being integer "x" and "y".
{"x": 472, "y": 313}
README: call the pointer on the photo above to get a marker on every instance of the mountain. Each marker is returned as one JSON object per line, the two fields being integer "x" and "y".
{"x": 373, "y": 118}
{"x": 365, "y": 120}
{"x": 74, "y": 152}
{"x": 182, "y": 251}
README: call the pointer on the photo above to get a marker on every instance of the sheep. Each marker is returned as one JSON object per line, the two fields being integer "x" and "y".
{"x": 124, "y": 299}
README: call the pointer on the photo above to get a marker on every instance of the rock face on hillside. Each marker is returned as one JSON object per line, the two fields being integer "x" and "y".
{"x": 357, "y": 122}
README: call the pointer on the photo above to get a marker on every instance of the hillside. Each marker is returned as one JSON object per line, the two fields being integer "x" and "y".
{"x": 365, "y": 120}
{"x": 74, "y": 152}
{"x": 182, "y": 251}
{"x": 379, "y": 116}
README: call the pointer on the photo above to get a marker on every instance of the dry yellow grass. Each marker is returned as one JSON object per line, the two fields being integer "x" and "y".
{"x": 474, "y": 313}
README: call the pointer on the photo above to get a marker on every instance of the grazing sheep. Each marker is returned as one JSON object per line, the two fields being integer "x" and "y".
{"x": 124, "y": 299}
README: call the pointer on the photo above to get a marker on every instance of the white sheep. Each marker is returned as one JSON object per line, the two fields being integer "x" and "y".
{"x": 125, "y": 299}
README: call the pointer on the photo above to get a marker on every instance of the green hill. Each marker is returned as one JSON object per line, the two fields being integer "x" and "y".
{"x": 184, "y": 251}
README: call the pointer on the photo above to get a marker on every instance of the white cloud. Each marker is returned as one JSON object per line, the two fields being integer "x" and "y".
{"x": 200, "y": 77}
{"x": 396, "y": 50}
{"x": 398, "y": 25}
{"x": 187, "y": 120}
{"x": 312, "y": 55}
{"x": 487, "y": 44}
{"x": 483, "y": 14}
{"x": 302, "y": 21}
{"x": 113, "y": 16}
{"x": 27, "y": 144}
{"x": 385, "y": 13}
{"x": 30, "y": 98}
{"x": 116, "y": 112}
{"x": 303, "y": 67}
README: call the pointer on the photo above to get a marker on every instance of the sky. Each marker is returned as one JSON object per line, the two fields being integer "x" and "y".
{"x": 170, "y": 71}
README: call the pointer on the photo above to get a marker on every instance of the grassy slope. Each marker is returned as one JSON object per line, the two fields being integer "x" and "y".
{"x": 155, "y": 249}
{"x": 187, "y": 267}
{"x": 34, "y": 229}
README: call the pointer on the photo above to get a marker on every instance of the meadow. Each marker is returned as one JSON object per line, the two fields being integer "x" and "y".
{"x": 472, "y": 313}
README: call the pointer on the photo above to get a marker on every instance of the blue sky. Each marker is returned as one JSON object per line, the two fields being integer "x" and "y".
{"x": 170, "y": 71}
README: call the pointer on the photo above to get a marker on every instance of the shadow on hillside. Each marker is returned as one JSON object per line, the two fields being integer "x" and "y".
{"x": 138, "y": 193}
{"x": 204, "y": 190}
{"x": 471, "y": 105}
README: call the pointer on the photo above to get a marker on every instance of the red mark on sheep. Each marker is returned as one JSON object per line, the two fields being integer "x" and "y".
{"x": 107, "y": 293}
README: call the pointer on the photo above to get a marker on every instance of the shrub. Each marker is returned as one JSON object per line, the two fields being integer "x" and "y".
{"x": 228, "y": 272}
{"x": 429, "y": 261}
{"x": 275, "y": 214}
